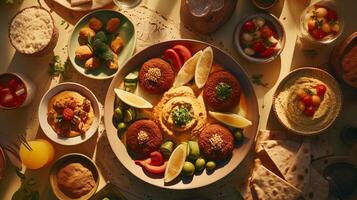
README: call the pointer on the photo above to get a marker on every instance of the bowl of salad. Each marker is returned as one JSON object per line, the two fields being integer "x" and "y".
{"x": 259, "y": 38}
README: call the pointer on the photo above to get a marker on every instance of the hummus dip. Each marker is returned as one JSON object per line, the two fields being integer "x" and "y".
{"x": 180, "y": 114}
{"x": 287, "y": 103}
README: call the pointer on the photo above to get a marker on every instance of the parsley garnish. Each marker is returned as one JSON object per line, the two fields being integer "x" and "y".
{"x": 223, "y": 90}
{"x": 181, "y": 116}
{"x": 57, "y": 67}
{"x": 257, "y": 80}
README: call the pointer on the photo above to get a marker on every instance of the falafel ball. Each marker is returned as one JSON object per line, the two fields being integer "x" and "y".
{"x": 143, "y": 137}
{"x": 222, "y": 91}
{"x": 95, "y": 24}
{"x": 92, "y": 63}
{"x": 112, "y": 25}
{"x": 156, "y": 76}
{"x": 86, "y": 32}
{"x": 216, "y": 142}
{"x": 83, "y": 52}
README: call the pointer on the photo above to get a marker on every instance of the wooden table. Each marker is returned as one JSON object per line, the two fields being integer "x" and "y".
{"x": 25, "y": 121}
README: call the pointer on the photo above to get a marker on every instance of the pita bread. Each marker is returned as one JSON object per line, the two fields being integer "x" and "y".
{"x": 268, "y": 186}
{"x": 320, "y": 147}
{"x": 264, "y": 135}
{"x": 280, "y": 152}
{"x": 298, "y": 173}
{"x": 318, "y": 188}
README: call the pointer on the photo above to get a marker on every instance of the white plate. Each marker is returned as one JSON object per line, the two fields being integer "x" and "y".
{"x": 43, "y": 110}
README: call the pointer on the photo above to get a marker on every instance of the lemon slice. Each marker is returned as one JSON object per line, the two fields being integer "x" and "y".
{"x": 231, "y": 119}
{"x": 132, "y": 99}
{"x": 175, "y": 163}
{"x": 203, "y": 67}
{"x": 187, "y": 71}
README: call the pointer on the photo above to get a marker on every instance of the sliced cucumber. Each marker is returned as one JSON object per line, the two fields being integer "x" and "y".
{"x": 131, "y": 77}
{"x": 194, "y": 150}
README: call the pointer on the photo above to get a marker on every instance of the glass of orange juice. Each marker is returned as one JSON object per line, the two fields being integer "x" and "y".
{"x": 41, "y": 154}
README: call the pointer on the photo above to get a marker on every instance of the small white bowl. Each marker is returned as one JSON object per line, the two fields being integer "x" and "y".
{"x": 279, "y": 30}
{"x": 43, "y": 110}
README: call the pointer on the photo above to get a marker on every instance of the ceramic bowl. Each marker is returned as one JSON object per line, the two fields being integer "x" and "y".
{"x": 223, "y": 168}
{"x": 2, "y": 164}
{"x": 279, "y": 30}
{"x": 264, "y": 6}
{"x": 126, "y": 31}
{"x": 345, "y": 74}
{"x": 29, "y": 86}
{"x": 279, "y": 105}
{"x": 43, "y": 110}
{"x": 73, "y": 158}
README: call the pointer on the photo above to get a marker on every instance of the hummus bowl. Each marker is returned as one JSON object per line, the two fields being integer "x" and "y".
{"x": 291, "y": 108}
{"x": 82, "y": 125}
{"x": 171, "y": 97}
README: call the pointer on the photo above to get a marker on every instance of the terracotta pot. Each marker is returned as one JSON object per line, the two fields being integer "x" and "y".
{"x": 206, "y": 16}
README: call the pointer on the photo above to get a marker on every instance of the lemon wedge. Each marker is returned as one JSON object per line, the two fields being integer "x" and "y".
{"x": 132, "y": 99}
{"x": 203, "y": 67}
{"x": 187, "y": 71}
{"x": 231, "y": 119}
{"x": 175, "y": 163}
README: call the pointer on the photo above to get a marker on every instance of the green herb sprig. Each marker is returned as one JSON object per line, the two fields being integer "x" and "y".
{"x": 181, "y": 116}
{"x": 26, "y": 190}
{"x": 58, "y": 67}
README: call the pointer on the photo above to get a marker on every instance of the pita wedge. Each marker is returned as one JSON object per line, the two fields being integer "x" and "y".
{"x": 318, "y": 188}
{"x": 320, "y": 147}
{"x": 298, "y": 173}
{"x": 264, "y": 135}
{"x": 280, "y": 152}
{"x": 268, "y": 186}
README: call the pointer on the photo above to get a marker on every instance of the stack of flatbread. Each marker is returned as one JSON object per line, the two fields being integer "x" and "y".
{"x": 283, "y": 168}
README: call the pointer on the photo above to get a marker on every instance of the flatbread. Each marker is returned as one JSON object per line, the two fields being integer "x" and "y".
{"x": 280, "y": 152}
{"x": 320, "y": 147}
{"x": 268, "y": 186}
{"x": 298, "y": 173}
{"x": 318, "y": 188}
{"x": 264, "y": 135}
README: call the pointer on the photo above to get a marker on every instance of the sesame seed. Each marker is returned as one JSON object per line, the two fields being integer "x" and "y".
{"x": 216, "y": 142}
{"x": 153, "y": 74}
{"x": 142, "y": 137}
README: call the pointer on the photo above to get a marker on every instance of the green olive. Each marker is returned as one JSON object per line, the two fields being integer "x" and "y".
{"x": 210, "y": 165}
{"x": 200, "y": 164}
{"x": 188, "y": 169}
{"x": 121, "y": 126}
{"x": 118, "y": 114}
{"x": 238, "y": 135}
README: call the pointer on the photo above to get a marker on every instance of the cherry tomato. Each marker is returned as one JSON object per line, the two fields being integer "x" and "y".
{"x": 267, "y": 53}
{"x": 12, "y": 84}
{"x": 318, "y": 33}
{"x": 310, "y": 111}
{"x": 316, "y": 100}
{"x": 307, "y": 100}
{"x": 248, "y": 26}
{"x": 258, "y": 46}
{"x": 320, "y": 90}
{"x": 331, "y": 15}
{"x": 311, "y": 24}
{"x": 266, "y": 32}
{"x": 156, "y": 158}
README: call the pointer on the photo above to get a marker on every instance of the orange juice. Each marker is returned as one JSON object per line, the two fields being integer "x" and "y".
{"x": 42, "y": 153}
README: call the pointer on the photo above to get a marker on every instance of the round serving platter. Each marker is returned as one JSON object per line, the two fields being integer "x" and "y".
{"x": 239, "y": 153}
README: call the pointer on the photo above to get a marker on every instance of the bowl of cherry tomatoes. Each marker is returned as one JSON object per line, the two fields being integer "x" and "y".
{"x": 259, "y": 38}
{"x": 321, "y": 22}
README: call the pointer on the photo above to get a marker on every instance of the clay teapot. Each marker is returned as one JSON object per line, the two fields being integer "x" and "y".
{"x": 206, "y": 16}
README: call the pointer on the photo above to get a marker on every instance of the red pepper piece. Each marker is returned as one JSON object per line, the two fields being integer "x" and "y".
{"x": 172, "y": 56}
{"x": 183, "y": 51}
{"x": 156, "y": 158}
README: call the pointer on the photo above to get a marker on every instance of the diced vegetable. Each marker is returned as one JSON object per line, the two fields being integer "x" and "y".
{"x": 167, "y": 148}
{"x": 194, "y": 150}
